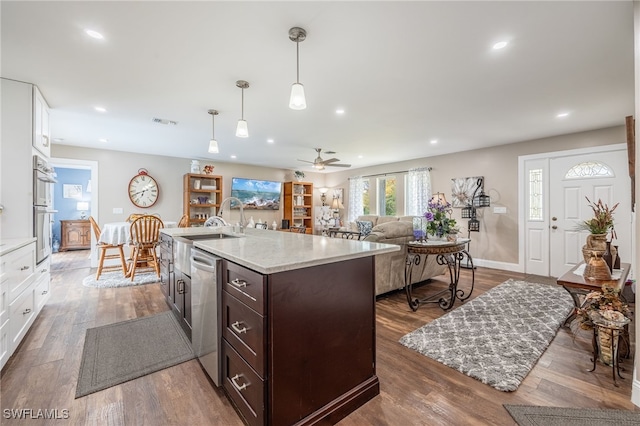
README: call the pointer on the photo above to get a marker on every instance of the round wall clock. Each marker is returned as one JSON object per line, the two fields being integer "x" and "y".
{"x": 143, "y": 189}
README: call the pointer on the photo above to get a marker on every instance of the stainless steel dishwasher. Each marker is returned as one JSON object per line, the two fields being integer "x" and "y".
{"x": 205, "y": 301}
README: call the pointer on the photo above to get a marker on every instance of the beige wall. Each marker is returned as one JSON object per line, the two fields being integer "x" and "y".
{"x": 498, "y": 237}
{"x": 116, "y": 168}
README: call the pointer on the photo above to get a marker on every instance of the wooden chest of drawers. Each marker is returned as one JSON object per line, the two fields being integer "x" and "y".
{"x": 75, "y": 234}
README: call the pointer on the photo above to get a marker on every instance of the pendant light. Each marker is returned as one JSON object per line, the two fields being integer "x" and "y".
{"x": 213, "y": 143}
{"x": 297, "y": 100}
{"x": 242, "y": 131}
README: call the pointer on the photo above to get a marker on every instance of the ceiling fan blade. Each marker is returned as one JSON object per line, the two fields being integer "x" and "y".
{"x": 338, "y": 165}
{"x": 305, "y": 161}
{"x": 331, "y": 160}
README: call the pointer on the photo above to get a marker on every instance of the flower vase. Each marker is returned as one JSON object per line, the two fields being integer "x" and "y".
{"x": 595, "y": 242}
{"x": 452, "y": 238}
{"x": 607, "y": 340}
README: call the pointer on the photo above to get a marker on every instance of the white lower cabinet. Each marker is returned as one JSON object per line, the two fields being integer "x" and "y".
{"x": 24, "y": 290}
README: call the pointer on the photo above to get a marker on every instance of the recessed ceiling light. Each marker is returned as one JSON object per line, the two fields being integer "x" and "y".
{"x": 500, "y": 45}
{"x": 94, "y": 34}
{"x": 562, "y": 115}
{"x": 103, "y": 140}
{"x": 100, "y": 109}
{"x": 339, "y": 111}
{"x": 233, "y": 156}
{"x": 270, "y": 141}
{"x": 433, "y": 141}
{"x": 360, "y": 156}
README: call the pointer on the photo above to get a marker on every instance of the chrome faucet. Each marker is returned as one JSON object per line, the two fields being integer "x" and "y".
{"x": 243, "y": 222}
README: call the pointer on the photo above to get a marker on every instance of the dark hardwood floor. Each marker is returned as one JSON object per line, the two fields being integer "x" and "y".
{"x": 415, "y": 390}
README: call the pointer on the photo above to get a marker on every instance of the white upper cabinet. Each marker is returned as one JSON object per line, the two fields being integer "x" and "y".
{"x": 41, "y": 132}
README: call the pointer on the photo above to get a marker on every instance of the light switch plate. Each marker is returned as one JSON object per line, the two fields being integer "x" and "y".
{"x": 500, "y": 210}
{"x": 117, "y": 210}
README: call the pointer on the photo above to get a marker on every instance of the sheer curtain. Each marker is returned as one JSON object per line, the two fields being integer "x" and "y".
{"x": 418, "y": 191}
{"x": 356, "y": 191}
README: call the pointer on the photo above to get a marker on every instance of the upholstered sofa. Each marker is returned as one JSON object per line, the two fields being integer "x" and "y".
{"x": 389, "y": 269}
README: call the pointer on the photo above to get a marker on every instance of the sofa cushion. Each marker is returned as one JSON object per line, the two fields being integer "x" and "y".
{"x": 395, "y": 229}
{"x": 385, "y": 219}
{"x": 370, "y": 217}
{"x": 364, "y": 227}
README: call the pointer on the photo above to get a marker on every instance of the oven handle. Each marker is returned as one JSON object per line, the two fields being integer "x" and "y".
{"x": 197, "y": 262}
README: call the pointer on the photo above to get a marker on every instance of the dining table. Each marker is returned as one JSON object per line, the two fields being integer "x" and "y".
{"x": 117, "y": 233}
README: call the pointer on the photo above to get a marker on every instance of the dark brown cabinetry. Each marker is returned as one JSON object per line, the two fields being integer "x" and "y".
{"x": 298, "y": 346}
{"x": 75, "y": 234}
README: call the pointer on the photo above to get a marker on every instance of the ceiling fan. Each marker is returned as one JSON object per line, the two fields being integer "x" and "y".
{"x": 320, "y": 164}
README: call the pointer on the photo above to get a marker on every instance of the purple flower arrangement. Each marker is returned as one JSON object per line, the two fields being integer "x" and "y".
{"x": 439, "y": 221}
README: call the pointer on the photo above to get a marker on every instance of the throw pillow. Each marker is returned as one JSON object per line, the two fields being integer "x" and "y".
{"x": 364, "y": 227}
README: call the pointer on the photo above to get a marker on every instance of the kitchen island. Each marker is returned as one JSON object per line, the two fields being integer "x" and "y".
{"x": 298, "y": 323}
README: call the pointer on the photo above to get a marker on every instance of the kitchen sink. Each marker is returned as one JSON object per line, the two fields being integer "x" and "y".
{"x": 216, "y": 236}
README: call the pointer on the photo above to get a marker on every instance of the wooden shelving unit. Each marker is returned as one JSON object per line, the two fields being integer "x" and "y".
{"x": 201, "y": 197}
{"x": 298, "y": 204}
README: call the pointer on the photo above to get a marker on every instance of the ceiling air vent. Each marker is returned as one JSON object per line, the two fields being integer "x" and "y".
{"x": 164, "y": 121}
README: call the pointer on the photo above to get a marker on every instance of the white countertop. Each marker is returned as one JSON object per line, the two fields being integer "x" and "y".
{"x": 8, "y": 245}
{"x": 268, "y": 252}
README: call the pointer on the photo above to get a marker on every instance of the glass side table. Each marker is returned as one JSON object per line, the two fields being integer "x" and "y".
{"x": 606, "y": 339}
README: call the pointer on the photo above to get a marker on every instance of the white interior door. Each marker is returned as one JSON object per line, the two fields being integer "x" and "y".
{"x": 598, "y": 176}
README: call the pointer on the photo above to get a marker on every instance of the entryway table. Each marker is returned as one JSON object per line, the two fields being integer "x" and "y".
{"x": 450, "y": 253}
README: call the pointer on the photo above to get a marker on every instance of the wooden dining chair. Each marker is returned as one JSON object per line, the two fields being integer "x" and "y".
{"x": 103, "y": 249}
{"x": 184, "y": 221}
{"x": 298, "y": 229}
{"x": 145, "y": 237}
{"x": 134, "y": 216}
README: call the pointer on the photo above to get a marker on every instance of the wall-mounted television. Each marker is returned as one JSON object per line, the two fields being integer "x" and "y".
{"x": 256, "y": 194}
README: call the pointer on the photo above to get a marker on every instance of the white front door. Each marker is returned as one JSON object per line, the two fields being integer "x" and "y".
{"x": 598, "y": 176}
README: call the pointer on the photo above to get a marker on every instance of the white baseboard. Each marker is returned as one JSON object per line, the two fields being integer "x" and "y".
{"x": 513, "y": 267}
{"x": 635, "y": 390}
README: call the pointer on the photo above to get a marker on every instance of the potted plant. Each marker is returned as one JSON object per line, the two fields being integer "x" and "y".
{"x": 299, "y": 175}
{"x": 439, "y": 221}
{"x": 598, "y": 226}
{"x": 607, "y": 310}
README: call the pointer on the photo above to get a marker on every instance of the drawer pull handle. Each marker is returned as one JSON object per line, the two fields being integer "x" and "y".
{"x": 24, "y": 268}
{"x": 236, "y": 327}
{"x": 239, "y": 283}
{"x": 26, "y": 311}
{"x": 235, "y": 385}
{"x": 180, "y": 286}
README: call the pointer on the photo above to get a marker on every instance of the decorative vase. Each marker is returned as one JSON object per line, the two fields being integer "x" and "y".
{"x": 195, "y": 166}
{"x": 607, "y": 344}
{"x": 607, "y": 257}
{"x": 595, "y": 242}
{"x": 616, "y": 255}
{"x": 452, "y": 238}
{"x": 597, "y": 268}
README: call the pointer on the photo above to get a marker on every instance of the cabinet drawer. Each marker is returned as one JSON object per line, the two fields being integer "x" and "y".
{"x": 42, "y": 291}
{"x": 4, "y": 343}
{"x": 243, "y": 385}
{"x": 22, "y": 311}
{"x": 247, "y": 285}
{"x": 17, "y": 269}
{"x": 244, "y": 330}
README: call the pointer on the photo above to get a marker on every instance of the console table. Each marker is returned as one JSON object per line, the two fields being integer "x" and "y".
{"x": 447, "y": 253}
{"x": 577, "y": 285}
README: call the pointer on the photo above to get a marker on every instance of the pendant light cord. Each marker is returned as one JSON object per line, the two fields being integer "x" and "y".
{"x": 242, "y": 105}
{"x": 297, "y": 62}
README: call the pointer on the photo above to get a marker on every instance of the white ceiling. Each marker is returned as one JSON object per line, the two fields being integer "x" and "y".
{"x": 405, "y": 73}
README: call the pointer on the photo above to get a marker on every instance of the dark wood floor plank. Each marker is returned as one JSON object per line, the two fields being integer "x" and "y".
{"x": 415, "y": 390}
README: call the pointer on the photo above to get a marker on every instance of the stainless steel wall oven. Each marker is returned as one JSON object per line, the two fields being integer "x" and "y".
{"x": 43, "y": 178}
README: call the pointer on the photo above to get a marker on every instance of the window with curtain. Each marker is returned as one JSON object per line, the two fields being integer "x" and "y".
{"x": 356, "y": 194}
{"x": 418, "y": 191}
{"x": 386, "y": 196}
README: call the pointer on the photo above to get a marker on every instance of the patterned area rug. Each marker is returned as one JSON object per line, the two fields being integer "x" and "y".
{"x": 115, "y": 279}
{"x": 498, "y": 336}
{"x": 529, "y": 415}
